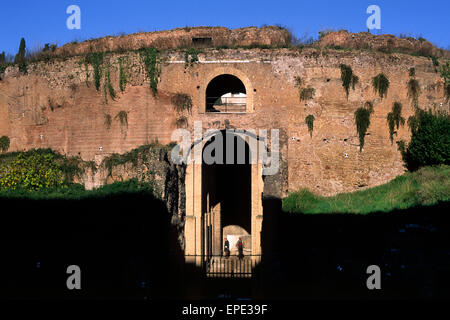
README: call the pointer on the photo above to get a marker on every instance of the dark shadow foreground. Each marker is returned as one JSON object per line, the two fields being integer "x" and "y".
{"x": 326, "y": 256}
{"x": 124, "y": 245}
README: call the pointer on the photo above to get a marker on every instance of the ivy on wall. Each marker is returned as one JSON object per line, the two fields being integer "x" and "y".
{"x": 307, "y": 93}
{"x": 122, "y": 75}
{"x": 96, "y": 60}
{"x": 149, "y": 57}
{"x": 348, "y": 78}
{"x": 310, "y": 123}
{"x": 362, "y": 120}
{"x": 190, "y": 57}
{"x": 380, "y": 85}
{"x": 395, "y": 119}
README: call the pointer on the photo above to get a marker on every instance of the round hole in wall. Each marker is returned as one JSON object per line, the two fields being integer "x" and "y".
{"x": 198, "y": 87}
{"x": 254, "y": 90}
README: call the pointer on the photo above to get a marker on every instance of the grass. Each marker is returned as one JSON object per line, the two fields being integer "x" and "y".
{"x": 427, "y": 186}
{"x": 77, "y": 191}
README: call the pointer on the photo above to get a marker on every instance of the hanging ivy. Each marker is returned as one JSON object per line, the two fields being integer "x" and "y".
{"x": 310, "y": 123}
{"x": 362, "y": 119}
{"x": 190, "y": 57}
{"x": 122, "y": 76}
{"x": 108, "y": 86}
{"x": 307, "y": 93}
{"x": 181, "y": 102}
{"x": 149, "y": 56}
{"x": 348, "y": 78}
{"x": 108, "y": 121}
{"x": 395, "y": 119}
{"x": 96, "y": 60}
{"x": 414, "y": 91}
{"x": 445, "y": 74}
{"x": 380, "y": 85}
{"x": 123, "y": 118}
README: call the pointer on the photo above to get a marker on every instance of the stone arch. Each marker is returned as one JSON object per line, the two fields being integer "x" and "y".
{"x": 222, "y": 71}
{"x": 194, "y": 200}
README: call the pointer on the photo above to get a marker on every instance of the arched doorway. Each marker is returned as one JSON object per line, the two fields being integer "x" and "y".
{"x": 226, "y": 93}
{"x": 226, "y": 193}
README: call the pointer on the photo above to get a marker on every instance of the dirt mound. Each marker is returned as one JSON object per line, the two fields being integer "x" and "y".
{"x": 385, "y": 43}
{"x": 183, "y": 37}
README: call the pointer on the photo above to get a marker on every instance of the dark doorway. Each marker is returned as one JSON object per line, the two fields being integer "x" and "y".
{"x": 226, "y": 190}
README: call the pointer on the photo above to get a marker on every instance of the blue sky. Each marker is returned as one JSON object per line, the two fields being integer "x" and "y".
{"x": 41, "y": 22}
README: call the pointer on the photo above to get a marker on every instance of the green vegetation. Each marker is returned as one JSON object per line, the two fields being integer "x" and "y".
{"x": 310, "y": 123}
{"x": 445, "y": 74}
{"x": 71, "y": 167}
{"x": 4, "y": 143}
{"x": 20, "y": 59}
{"x": 149, "y": 57}
{"x": 96, "y": 60}
{"x": 123, "y": 118}
{"x": 182, "y": 102}
{"x": 122, "y": 76}
{"x": 394, "y": 119}
{"x": 31, "y": 172}
{"x": 307, "y": 93}
{"x": 414, "y": 91}
{"x": 132, "y": 156}
{"x": 77, "y": 191}
{"x": 362, "y": 120}
{"x": 190, "y": 57}
{"x": 412, "y": 72}
{"x": 107, "y": 85}
{"x": 430, "y": 140}
{"x": 298, "y": 81}
{"x": 435, "y": 62}
{"x": 427, "y": 186}
{"x": 108, "y": 121}
{"x": 380, "y": 85}
{"x": 348, "y": 78}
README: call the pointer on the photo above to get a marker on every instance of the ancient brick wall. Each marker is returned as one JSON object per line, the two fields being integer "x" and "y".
{"x": 54, "y": 106}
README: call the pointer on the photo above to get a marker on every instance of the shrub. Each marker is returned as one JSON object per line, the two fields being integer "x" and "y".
{"x": 394, "y": 119}
{"x": 31, "y": 172}
{"x": 430, "y": 140}
{"x": 307, "y": 93}
{"x": 310, "y": 123}
{"x": 380, "y": 85}
{"x": 4, "y": 143}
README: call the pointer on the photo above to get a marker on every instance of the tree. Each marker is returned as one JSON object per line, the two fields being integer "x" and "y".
{"x": 2, "y": 57}
{"x": 20, "y": 56}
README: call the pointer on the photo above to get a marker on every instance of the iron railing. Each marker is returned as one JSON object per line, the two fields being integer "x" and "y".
{"x": 226, "y": 104}
{"x": 228, "y": 267}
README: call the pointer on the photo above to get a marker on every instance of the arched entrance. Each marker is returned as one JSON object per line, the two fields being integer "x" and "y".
{"x": 223, "y": 195}
{"x": 226, "y": 193}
